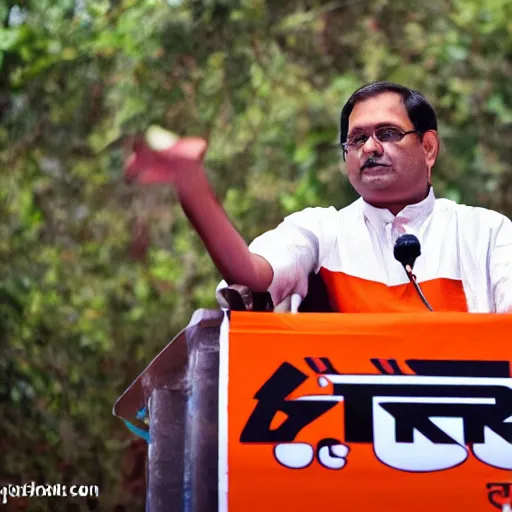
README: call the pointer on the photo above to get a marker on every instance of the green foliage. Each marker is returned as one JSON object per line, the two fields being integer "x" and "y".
{"x": 96, "y": 276}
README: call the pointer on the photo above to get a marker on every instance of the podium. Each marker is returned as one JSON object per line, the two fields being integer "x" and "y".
{"x": 253, "y": 411}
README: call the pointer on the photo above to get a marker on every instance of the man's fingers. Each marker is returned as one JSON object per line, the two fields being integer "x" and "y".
{"x": 140, "y": 160}
{"x": 132, "y": 167}
{"x": 147, "y": 178}
{"x": 145, "y": 165}
{"x": 188, "y": 148}
{"x": 154, "y": 176}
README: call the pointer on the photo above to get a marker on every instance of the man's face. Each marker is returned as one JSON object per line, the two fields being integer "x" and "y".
{"x": 403, "y": 171}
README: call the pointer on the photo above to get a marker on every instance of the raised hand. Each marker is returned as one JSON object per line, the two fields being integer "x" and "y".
{"x": 163, "y": 158}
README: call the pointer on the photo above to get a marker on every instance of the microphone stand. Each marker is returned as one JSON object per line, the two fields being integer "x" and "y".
{"x": 412, "y": 278}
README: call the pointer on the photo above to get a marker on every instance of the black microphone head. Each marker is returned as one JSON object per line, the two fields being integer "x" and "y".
{"x": 407, "y": 249}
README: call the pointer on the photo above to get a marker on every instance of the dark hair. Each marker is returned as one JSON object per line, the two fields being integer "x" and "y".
{"x": 420, "y": 112}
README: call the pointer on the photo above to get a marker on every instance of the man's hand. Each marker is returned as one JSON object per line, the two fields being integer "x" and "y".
{"x": 178, "y": 163}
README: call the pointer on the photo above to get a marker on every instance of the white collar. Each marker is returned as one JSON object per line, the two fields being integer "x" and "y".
{"x": 411, "y": 214}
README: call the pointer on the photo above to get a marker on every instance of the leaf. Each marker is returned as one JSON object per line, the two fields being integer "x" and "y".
{"x": 12, "y": 38}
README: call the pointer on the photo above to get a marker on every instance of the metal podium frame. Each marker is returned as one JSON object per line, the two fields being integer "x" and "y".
{"x": 178, "y": 393}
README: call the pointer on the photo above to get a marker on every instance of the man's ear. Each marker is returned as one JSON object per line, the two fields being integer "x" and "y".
{"x": 430, "y": 144}
{"x": 342, "y": 164}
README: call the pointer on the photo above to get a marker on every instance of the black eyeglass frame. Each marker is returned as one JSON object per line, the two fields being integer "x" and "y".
{"x": 346, "y": 145}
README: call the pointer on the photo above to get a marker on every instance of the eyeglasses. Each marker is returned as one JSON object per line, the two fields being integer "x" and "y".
{"x": 384, "y": 134}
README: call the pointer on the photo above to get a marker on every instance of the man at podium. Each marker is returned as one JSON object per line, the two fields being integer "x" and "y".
{"x": 390, "y": 143}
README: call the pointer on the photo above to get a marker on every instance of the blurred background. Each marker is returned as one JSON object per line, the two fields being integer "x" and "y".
{"x": 96, "y": 276}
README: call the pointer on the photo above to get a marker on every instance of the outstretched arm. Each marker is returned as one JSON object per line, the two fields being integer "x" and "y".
{"x": 181, "y": 166}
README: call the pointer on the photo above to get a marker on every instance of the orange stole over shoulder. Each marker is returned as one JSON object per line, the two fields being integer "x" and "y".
{"x": 349, "y": 294}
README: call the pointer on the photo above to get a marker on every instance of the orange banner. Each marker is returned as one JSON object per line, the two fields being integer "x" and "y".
{"x": 403, "y": 412}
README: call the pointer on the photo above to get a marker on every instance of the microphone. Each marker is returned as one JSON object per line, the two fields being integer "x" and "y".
{"x": 407, "y": 249}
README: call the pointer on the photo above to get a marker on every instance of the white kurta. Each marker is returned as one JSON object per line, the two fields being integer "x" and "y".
{"x": 458, "y": 242}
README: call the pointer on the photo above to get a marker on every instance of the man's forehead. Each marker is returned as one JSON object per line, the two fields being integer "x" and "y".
{"x": 385, "y": 108}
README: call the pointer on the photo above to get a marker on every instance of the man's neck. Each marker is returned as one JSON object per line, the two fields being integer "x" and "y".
{"x": 397, "y": 207}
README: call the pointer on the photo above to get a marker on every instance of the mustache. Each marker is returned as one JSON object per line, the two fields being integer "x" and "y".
{"x": 372, "y": 162}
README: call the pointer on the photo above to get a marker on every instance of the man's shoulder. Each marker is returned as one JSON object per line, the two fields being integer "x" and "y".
{"x": 472, "y": 215}
{"x": 325, "y": 214}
